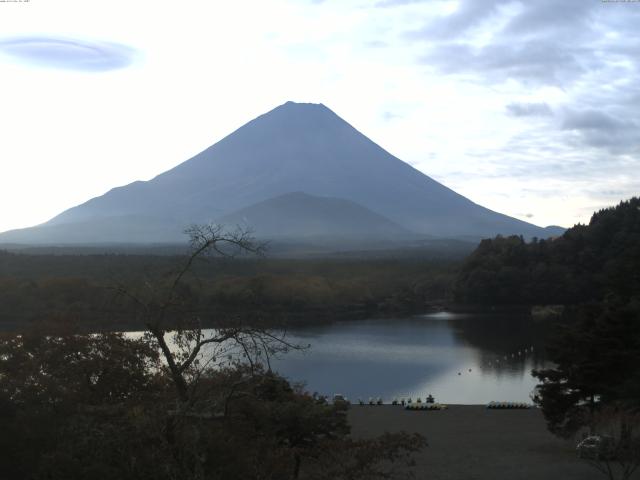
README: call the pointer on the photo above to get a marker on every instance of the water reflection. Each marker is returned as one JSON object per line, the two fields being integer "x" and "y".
{"x": 457, "y": 358}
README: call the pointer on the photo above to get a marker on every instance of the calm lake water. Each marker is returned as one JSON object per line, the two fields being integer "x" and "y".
{"x": 464, "y": 359}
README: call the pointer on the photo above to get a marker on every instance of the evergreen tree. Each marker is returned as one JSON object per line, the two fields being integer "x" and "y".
{"x": 597, "y": 358}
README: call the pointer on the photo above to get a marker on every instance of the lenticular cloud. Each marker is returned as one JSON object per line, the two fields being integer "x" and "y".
{"x": 70, "y": 54}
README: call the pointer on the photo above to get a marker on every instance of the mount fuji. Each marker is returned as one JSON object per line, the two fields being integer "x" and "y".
{"x": 296, "y": 172}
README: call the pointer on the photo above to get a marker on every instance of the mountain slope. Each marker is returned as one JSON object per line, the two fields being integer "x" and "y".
{"x": 301, "y": 216}
{"x": 101, "y": 230}
{"x": 293, "y": 148}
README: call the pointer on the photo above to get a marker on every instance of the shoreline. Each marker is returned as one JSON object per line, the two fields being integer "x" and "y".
{"x": 274, "y": 320}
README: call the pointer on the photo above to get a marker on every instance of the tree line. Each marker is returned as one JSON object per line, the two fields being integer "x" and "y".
{"x": 36, "y": 287}
{"x": 586, "y": 263}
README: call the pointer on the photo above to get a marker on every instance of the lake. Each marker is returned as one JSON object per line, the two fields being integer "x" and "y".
{"x": 458, "y": 358}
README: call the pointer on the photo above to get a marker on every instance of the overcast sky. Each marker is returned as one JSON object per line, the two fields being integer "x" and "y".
{"x": 530, "y": 108}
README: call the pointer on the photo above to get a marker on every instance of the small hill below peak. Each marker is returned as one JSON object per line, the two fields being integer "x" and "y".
{"x": 298, "y": 215}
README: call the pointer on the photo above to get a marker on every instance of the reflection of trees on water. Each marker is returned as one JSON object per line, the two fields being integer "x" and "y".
{"x": 418, "y": 355}
{"x": 505, "y": 344}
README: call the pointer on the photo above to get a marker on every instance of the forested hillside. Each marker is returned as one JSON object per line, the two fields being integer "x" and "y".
{"x": 587, "y": 263}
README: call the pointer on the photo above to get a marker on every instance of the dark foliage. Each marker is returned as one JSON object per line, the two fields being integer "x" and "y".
{"x": 101, "y": 406}
{"x": 597, "y": 363}
{"x": 585, "y": 264}
{"x": 60, "y": 389}
{"x": 40, "y": 287}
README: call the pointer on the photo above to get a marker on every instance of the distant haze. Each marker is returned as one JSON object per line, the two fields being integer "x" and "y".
{"x": 297, "y": 171}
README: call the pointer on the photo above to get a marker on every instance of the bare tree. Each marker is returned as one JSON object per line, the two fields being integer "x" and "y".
{"x": 173, "y": 323}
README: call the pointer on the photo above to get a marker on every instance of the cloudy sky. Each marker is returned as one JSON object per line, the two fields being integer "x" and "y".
{"x": 530, "y": 108}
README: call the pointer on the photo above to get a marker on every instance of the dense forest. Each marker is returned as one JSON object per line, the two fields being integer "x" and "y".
{"x": 587, "y": 263}
{"x": 36, "y": 287}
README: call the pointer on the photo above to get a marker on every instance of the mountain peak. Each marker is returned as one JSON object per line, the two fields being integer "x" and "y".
{"x": 308, "y": 105}
{"x": 299, "y": 111}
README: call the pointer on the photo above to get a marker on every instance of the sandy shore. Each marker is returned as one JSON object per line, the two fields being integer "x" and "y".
{"x": 472, "y": 443}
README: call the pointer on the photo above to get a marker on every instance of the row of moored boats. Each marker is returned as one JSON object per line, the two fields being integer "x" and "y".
{"x": 429, "y": 403}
